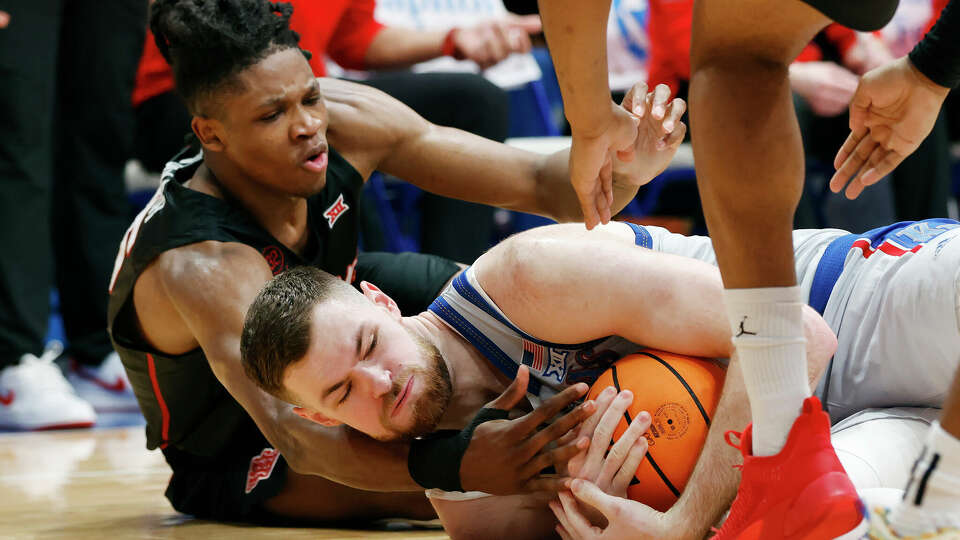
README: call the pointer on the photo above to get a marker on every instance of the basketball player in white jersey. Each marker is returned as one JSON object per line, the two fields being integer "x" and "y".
{"x": 541, "y": 299}
{"x": 892, "y": 296}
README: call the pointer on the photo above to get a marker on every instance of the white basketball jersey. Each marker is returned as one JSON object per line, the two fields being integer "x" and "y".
{"x": 890, "y": 295}
{"x": 466, "y": 308}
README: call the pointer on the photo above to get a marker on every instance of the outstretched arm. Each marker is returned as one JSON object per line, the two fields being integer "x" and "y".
{"x": 207, "y": 287}
{"x": 374, "y": 131}
{"x": 896, "y": 105}
{"x": 576, "y": 32}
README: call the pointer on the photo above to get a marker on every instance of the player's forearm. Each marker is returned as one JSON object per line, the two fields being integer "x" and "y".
{"x": 400, "y": 47}
{"x": 345, "y": 456}
{"x": 576, "y": 31}
{"x": 516, "y": 517}
{"x": 713, "y": 484}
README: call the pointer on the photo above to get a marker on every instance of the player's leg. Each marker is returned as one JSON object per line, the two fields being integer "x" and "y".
{"x": 750, "y": 174}
{"x": 904, "y": 349}
{"x": 929, "y": 506}
{"x": 95, "y": 132}
{"x": 930, "y": 502}
{"x": 877, "y": 448}
{"x": 749, "y": 158}
{"x": 33, "y": 392}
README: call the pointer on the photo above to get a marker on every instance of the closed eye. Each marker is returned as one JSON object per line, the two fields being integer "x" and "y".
{"x": 270, "y": 117}
{"x": 345, "y": 394}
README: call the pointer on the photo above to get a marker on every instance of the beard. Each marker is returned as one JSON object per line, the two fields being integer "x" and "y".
{"x": 436, "y": 395}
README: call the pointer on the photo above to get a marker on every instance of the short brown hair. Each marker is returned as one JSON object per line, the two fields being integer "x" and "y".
{"x": 276, "y": 330}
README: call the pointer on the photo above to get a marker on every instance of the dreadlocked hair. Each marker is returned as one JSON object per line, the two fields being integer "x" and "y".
{"x": 208, "y": 42}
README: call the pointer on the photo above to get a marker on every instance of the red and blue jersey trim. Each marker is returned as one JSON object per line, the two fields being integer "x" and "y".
{"x": 895, "y": 240}
{"x": 534, "y": 350}
{"x": 487, "y": 348}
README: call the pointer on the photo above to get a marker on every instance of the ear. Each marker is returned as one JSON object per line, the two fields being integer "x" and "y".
{"x": 380, "y": 298}
{"x": 207, "y": 131}
{"x": 314, "y": 416}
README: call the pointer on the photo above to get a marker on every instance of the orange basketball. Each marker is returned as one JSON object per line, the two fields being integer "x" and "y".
{"x": 680, "y": 393}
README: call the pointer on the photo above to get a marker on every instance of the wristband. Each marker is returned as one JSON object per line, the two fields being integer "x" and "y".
{"x": 434, "y": 460}
{"x": 449, "y": 47}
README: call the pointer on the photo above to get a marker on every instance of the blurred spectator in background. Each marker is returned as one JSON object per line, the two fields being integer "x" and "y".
{"x": 824, "y": 78}
{"x": 66, "y": 130}
{"x": 628, "y": 45}
{"x": 347, "y": 33}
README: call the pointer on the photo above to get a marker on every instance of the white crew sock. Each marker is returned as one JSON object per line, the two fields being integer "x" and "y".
{"x": 767, "y": 327}
{"x": 935, "y": 483}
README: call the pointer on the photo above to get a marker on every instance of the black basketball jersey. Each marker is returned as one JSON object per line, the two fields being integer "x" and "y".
{"x": 185, "y": 406}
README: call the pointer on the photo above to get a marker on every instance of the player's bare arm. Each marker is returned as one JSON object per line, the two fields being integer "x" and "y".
{"x": 197, "y": 296}
{"x": 650, "y": 298}
{"x": 374, "y": 131}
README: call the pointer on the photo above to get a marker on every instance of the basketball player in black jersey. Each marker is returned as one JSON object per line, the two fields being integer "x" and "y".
{"x": 284, "y": 156}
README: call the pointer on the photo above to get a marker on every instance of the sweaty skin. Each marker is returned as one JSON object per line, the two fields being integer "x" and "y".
{"x": 679, "y": 307}
{"x": 264, "y": 142}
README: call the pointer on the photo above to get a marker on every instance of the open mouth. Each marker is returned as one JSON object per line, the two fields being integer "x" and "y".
{"x": 403, "y": 396}
{"x": 316, "y": 162}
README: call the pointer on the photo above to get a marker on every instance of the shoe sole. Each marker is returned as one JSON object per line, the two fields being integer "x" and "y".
{"x": 829, "y": 506}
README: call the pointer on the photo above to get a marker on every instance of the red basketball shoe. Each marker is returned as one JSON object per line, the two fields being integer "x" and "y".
{"x": 802, "y": 493}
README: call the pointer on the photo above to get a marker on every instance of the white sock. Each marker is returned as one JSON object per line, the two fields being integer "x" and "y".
{"x": 932, "y": 498}
{"x": 767, "y": 327}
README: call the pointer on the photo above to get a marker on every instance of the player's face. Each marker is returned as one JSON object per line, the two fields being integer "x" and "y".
{"x": 275, "y": 125}
{"x": 366, "y": 370}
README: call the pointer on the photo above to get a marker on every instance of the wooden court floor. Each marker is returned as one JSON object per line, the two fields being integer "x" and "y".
{"x": 104, "y": 484}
